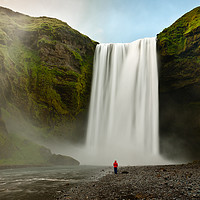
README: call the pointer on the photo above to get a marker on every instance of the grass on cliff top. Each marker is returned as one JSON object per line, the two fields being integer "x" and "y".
{"x": 173, "y": 38}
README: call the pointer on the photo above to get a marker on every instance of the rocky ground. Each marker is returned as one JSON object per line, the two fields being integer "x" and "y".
{"x": 142, "y": 182}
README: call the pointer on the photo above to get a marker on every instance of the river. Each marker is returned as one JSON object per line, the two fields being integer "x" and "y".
{"x": 43, "y": 183}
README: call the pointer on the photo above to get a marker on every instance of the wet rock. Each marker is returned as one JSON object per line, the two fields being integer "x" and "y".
{"x": 125, "y": 172}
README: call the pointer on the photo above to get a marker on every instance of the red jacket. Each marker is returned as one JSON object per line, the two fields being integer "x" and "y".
{"x": 115, "y": 164}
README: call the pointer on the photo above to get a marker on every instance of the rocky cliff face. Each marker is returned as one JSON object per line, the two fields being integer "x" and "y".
{"x": 45, "y": 80}
{"x": 179, "y": 51}
{"x": 45, "y": 71}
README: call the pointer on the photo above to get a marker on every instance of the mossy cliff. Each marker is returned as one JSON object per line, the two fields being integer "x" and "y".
{"x": 45, "y": 80}
{"x": 179, "y": 57}
{"x": 45, "y": 71}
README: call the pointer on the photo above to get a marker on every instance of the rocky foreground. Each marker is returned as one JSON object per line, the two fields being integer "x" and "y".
{"x": 146, "y": 182}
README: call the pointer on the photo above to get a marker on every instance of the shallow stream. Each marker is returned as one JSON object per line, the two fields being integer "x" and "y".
{"x": 43, "y": 183}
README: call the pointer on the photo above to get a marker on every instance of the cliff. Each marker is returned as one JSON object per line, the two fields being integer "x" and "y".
{"x": 45, "y": 80}
{"x": 45, "y": 72}
{"x": 179, "y": 57}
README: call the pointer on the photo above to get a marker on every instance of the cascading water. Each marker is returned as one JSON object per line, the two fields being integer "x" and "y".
{"x": 123, "y": 115}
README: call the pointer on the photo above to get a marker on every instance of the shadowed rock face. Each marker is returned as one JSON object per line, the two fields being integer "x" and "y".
{"x": 45, "y": 71}
{"x": 179, "y": 57}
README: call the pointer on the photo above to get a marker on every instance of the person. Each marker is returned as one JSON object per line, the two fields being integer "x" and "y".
{"x": 115, "y": 164}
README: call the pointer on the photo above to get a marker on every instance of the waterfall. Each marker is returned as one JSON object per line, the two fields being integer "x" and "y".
{"x": 123, "y": 113}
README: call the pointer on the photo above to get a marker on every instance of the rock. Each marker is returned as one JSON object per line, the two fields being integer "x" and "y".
{"x": 62, "y": 160}
{"x": 124, "y": 172}
{"x": 145, "y": 186}
{"x": 179, "y": 87}
{"x": 45, "y": 73}
{"x": 45, "y": 80}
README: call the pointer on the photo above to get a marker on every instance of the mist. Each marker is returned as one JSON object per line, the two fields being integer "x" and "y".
{"x": 172, "y": 149}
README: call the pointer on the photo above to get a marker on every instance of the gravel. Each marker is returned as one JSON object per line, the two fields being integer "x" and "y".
{"x": 141, "y": 182}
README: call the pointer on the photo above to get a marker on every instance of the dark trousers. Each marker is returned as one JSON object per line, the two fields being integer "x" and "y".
{"x": 115, "y": 170}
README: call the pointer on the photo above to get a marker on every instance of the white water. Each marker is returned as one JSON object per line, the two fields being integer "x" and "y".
{"x": 123, "y": 113}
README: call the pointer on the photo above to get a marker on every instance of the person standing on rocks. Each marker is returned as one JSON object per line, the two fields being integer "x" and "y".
{"x": 115, "y": 164}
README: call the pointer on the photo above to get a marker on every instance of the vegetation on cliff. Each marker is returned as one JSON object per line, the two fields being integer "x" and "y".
{"x": 45, "y": 78}
{"x": 179, "y": 51}
{"x": 179, "y": 48}
{"x": 45, "y": 69}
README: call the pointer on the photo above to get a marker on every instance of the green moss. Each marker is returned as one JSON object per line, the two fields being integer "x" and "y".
{"x": 45, "y": 40}
{"x": 84, "y": 83}
{"x": 77, "y": 56}
{"x": 179, "y": 51}
{"x": 173, "y": 39}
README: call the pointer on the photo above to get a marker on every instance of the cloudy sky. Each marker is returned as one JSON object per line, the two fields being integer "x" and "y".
{"x": 109, "y": 20}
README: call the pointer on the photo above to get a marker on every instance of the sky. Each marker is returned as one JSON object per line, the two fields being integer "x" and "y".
{"x": 108, "y": 21}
